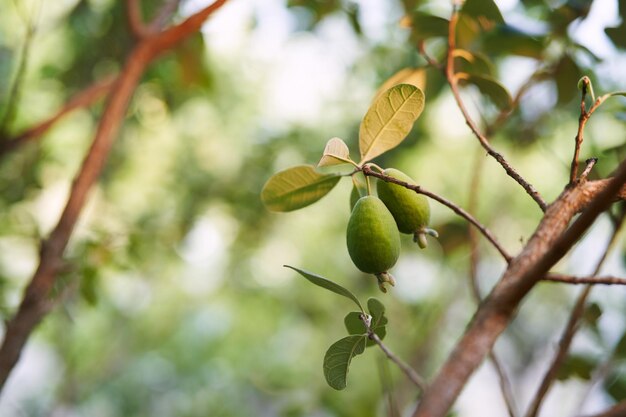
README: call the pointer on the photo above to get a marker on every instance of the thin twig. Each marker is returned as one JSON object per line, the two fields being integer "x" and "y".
{"x": 135, "y": 20}
{"x": 453, "y": 82}
{"x": 431, "y": 61}
{"x": 82, "y": 99}
{"x": 458, "y": 210}
{"x": 413, "y": 376}
{"x": 35, "y": 303}
{"x": 588, "y": 167}
{"x": 166, "y": 12}
{"x": 572, "y": 325}
{"x": 582, "y": 121}
{"x": 569, "y": 279}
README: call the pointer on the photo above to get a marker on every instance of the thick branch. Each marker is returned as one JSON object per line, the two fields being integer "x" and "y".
{"x": 82, "y": 99}
{"x": 569, "y": 331}
{"x": 548, "y": 245}
{"x": 458, "y": 210}
{"x": 484, "y": 142}
{"x": 37, "y": 300}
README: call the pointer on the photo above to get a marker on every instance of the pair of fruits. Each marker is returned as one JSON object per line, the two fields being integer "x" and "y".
{"x": 372, "y": 235}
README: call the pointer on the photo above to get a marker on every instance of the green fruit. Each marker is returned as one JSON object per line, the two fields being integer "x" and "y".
{"x": 410, "y": 210}
{"x": 373, "y": 239}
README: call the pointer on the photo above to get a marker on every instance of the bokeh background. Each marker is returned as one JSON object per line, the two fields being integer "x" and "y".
{"x": 179, "y": 304}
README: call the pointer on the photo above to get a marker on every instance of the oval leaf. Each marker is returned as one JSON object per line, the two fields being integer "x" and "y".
{"x": 413, "y": 76}
{"x": 472, "y": 62}
{"x": 336, "y": 152}
{"x": 489, "y": 87}
{"x": 379, "y": 321}
{"x": 296, "y": 187}
{"x": 338, "y": 357}
{"x": 354, "y": 324}
{"x": 327, "y": 284}
{"x": 482, "y": 10}
{"x": 389, "y": 120}
{"x": 425, "y": 26}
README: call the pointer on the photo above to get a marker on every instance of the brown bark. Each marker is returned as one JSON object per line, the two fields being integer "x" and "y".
{"x": 37, "y": 301}
{"x": 550, "y": 242}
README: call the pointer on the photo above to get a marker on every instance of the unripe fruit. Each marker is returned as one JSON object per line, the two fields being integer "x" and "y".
{"x": 373, "y": 239}
{"x": 410, "y": 210}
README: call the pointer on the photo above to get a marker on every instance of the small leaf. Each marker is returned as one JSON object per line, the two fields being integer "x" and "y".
{"x": 567, "y": 74}
{"x": 327, "y": 284}
{"x": 618, "y": 93}
{"x": 379, "y": 321}
{"x": 576, "y": 366}
{"x": 389, "y": 120}
{"x": 296, "y": 187}
{"x": 507, "y": 40}
{"x": 482, "y": 10}
{"x": 426, "y": 26}
{"x": 336, "y": 152}
{"x": 620, "y": 348}
{"x": 338, "y": 357}
{"x": 489, "y": 87}
{"x": 354, "y": 324}
{"x": 472, "y": 63}
{"x": 413, "y": 76}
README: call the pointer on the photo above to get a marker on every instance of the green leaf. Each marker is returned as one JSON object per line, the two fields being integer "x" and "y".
{"x": 576, "y": 366}
{"x": 354, "y": 324}
{"x": 296, "y": 187}
{"x": 336, "y": 152}
{"x": 617, "y": 35}
{"x": 327, "y": 284}
{"x": 389, "y": 120}
{"x": 482, "y": 10}
{"x": 507, "y": 40}
{"x": 615, "y": 384}
{"x": 472, "y": 63}
{"x": 567, "y": 75}
{"x": 425, "y": 26}
{"x": 620, "y": 348}
{"x": 489, "y": 87}
{"x": 379, "y": 321}
{"x": 413, "y": 76}
{"x": 338, "y": 357}
{"x": 618, "y": 93}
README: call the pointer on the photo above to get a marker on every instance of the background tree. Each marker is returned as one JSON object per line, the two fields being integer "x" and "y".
{"x": 173, "y": 241}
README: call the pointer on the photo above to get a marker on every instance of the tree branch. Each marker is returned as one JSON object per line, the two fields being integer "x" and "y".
{"x": 550, "y": 242}
{"x": 453, "y": 82}
{"x": 135, "y": 20}
{"x": 458, "y": 210}
{"x": 36, "y": 301}
{"x": 592, "y": 280}
{"x": 569, "y": 331}
{"x": 82, "y": 99}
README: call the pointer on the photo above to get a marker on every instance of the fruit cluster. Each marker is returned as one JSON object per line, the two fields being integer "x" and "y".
{"x": 372, "y": 236}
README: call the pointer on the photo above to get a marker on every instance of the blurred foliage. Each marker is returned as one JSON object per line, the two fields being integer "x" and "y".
{"x": 176, "y": 302}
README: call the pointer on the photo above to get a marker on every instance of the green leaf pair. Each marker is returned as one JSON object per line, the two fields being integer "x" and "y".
{"x": 359, "y": 325}
{"x": 385, "y": 125}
